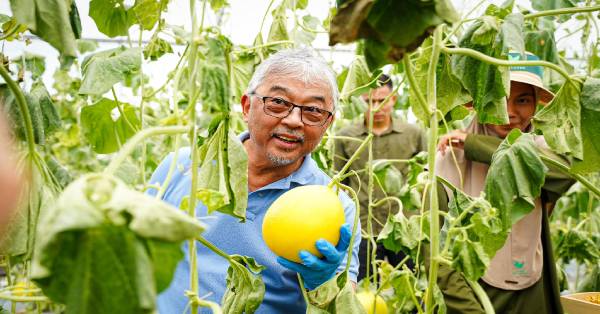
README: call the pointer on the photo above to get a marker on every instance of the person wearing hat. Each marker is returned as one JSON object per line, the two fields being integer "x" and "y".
{"x": 521, "y": 277}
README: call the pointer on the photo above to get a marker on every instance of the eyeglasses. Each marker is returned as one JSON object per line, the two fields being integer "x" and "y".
{"x": 280, "y": 108}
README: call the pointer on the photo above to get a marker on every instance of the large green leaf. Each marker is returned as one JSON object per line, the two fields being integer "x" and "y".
{"x": 245, "y": 288}
{"x": 278, "y": 30}
{"x": 543, "y": 5}
{"x": 512, "y": 33}
{"x": 101, "y": 71}
{"x": 542, "y": 44}
{"x": 487, "y": 84}
{"x": 105, "y": 134}
{"x": 391, "y": 28}
{"x": 51, "y": 20}
{"x": 357, "y": 79}
{"x": 335, "y": 296}
{"x": 560, "y": 121}
{"x": 156, "y": 48}
{"x": 590, "y": 124}
{"x": 515, "y": 177}
{"x": 404, "y": 234}
{"x": 111, "y": 17}
{"x": 109, "y": 249}
{"x": 223, "y": 177}
{"x": 43, "y": 113}
{"x": 469, "y": 258}
{"x": 147, "y": 12}
{"x": 449, "y": 90}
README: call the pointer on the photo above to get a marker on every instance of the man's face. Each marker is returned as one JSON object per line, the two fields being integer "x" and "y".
{"x": 520, "y": 106}
{"x": 283, "y": 141}
{"x": 377, "y": 96}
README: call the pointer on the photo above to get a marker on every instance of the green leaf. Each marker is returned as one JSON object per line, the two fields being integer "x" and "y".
{"x": 11, "y": 28}
{"x": 43, "y": 113}
{"x": 278, "y": 30}
{"x": 215, "y": 93}
{"x": 542, "y": 44}
{"x": 111, "y": 17}
{"x": 388, "y": 177}
{"x": 487, "y": 84}
{"x": 590, "y": 94}
{"x": 223, "y": 177}
{"x": 543, "y": 5}
{"x": 357, "y": 80}
{"x": 102, "y": 70}
{"x": 401, "y": 233}
{"x": 576, "y": 244}
{"x": 390, "y": 28}
{"x": 33, "y": 63}
{"x": 500, "y": 11}
{"x": 50, "y": 20}
{"x": 403, "y": 282}
{"x": 449, "y": 91}
{"x": 105, "y": 133}
{"x": 216, "y": 5}
{"x": 156, "y": 48}
{"x": 590, "y": 124}
{"x": 147, "y": 12}
{"x": 335, "y": 296}
{"x": 512, "y": 33}
{"x": 84, "y": 45}
{"x": 102, "y": 237}
{"x": 245, "y": 287}
{"x": 515, "y": 177}
{"x": 241, "y": 72}
{"x": 469, "y": 258}
{"x": 560, "y": 120}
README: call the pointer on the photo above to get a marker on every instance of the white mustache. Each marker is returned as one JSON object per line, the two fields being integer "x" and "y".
{"x": 297, "y": 134}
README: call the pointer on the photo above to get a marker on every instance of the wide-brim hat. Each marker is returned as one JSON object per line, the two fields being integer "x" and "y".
{"x": 531, "y": 75}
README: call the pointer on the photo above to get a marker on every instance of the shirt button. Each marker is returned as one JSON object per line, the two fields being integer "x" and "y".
{"x": 261, "y": 194}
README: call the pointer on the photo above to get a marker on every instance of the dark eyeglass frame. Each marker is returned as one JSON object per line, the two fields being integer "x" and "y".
{"x": 291, "y": 106}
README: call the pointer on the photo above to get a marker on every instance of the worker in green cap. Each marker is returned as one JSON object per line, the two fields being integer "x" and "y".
{"x": 521, "y": 277}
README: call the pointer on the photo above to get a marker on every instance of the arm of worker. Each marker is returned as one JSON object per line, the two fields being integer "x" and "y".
{"x": 481, "y": 148}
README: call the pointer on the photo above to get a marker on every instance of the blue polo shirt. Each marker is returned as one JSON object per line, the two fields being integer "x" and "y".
{"x": 282, "y": 293}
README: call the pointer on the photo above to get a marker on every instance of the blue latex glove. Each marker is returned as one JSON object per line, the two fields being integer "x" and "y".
{"x": 315, "y": 271}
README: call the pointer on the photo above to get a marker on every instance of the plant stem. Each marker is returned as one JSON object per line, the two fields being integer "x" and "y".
{"x": 355, "y": 156}
{"x": 491, "y": 60}
{"x": 213, "y": 248}
{"x": 432, "y": 146}
{"x": 413, "y": 83}
{"x": 575, "y": 176}
{"x": 128, "y": 148}
{"x": 18, "y": 93}
{"x": 129, "y": 124}
{"x": 355, "y": 226}
{"x": 272, "y": 43}
{"x": 482, "y": 296}
{"x": 194, "y": 184}
{"x": 562, "y": 11}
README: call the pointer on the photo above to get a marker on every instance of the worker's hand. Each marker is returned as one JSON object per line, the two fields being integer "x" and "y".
{"x": 315, "y": 271}
{"x": 455, "y": 138}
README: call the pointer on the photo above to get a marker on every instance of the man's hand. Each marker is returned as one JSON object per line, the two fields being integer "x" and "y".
{"x": 315, "y": 271}
{"x": 455, "y": 138}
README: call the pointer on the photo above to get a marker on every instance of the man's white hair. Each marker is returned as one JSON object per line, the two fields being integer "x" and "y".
{"x": 303, "y": 64}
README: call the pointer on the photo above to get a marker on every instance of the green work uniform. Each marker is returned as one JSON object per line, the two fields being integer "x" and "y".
{"x": 400, "y": 141}
{"x": 543, "y": 296}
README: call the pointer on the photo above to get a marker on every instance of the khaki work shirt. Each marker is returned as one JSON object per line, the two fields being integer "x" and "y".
{"x": 400, "y": 141}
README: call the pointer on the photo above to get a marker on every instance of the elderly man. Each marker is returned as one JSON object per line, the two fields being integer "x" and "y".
{"x": 288, "y": 106}
{"x": 393, "y": 139}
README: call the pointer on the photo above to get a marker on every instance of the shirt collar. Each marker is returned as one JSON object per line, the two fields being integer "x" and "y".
{"x": 301, "y": 176}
